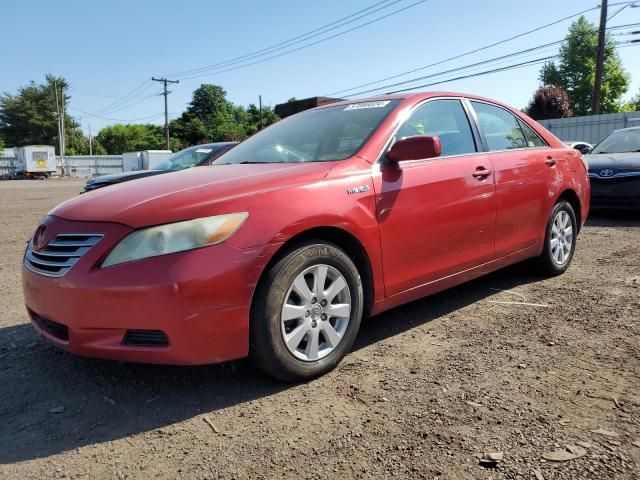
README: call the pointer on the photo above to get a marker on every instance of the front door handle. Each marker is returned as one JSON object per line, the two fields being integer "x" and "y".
{"x": 550, "y": 161}
{"x": 481, "y": 173}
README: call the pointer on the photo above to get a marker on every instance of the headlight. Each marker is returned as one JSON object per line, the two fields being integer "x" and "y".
{"x": 175, "y": 237}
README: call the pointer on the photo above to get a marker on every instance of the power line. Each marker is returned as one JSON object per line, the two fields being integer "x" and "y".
{"x": 297, "y": 39}
{"x": 307, "y": 45}
{"x": 136, "y": 91}
{"x": 123, "y": 120}
{"x": 495, "y": 70}
{"x": 457, "y": 69}
{"x": 465, "y": 67}
{"x": 131, "y": 104}
{"x": 470, "y": 52}
{"x": 122, "y": 107}
{"x": 486, "y": 72}
{"x": 617, "y": 27}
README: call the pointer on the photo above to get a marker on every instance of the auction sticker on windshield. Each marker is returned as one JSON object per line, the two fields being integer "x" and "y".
{"x": 358, "y": 106}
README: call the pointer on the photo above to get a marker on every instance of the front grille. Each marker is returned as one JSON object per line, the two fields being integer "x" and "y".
{"x": 145, "y": 338}
{"x": 60, "y": 254}
{"x": 54, "y": 329}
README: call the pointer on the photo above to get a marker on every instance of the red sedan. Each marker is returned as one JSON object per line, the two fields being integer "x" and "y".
{"x": 278, "y": 250}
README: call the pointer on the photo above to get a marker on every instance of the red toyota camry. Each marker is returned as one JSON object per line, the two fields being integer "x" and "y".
{"x": 278, "y": 250}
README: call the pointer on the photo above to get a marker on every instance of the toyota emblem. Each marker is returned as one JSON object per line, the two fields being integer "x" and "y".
{"x": 607, "y": 172}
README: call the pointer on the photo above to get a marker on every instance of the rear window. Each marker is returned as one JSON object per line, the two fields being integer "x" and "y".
{"x": 501, "y": 128}
{"x": 533, "y": 139}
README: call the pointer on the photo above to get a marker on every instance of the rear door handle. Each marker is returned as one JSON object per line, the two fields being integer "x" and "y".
{"x": 481, "y": 173}
{"x": 550, "y": 161}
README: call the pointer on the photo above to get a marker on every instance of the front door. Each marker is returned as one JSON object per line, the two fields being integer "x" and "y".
{"x": 436, "y": 216}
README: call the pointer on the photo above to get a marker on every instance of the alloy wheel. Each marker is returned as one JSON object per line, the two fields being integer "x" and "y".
{"x": 315, "y": 313}
{"x": 561, "y": 237}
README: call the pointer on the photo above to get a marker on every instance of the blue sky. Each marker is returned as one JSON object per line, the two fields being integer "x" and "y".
{"x": 107, "y": 49}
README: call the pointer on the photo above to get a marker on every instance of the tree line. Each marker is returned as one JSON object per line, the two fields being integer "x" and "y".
{"x": 566, "y": 88}
{"x": 28, "y": 118}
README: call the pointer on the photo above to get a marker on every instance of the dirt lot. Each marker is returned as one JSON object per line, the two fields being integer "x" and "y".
{"x": 429, "y": 389}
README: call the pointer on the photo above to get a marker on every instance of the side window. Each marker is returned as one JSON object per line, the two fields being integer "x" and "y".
{"x": 533, "y": 139}
{"x": 501, "y": 128}
{"x": 445, "y": 119}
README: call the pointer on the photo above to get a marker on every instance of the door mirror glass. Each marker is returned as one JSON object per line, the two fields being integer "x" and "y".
{"x": 417, "y": 147}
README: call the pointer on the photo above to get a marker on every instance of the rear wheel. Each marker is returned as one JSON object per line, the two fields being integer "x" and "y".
{"x": 560, "y": 240}
{"x": 306, "y": 313}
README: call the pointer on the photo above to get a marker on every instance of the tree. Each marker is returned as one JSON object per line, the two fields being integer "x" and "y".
{"x": 119, "y": 138}
{"x": 575, "y": 70}
{"x": 29, "y": 117}
{"x": 550, "y": 102}
{"x": 1, "y": 143}
{"x": 210, "y": 117}
{"x": 633, "y": 105}
{"x": 269, "y": 116}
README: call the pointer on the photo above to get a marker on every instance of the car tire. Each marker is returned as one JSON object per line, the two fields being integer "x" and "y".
{"x": 295, "y": 333}
{"x": 559, "y": 241}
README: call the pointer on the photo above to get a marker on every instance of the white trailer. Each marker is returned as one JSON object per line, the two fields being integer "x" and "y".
{"x": 151, "y": 158}
{"x": 37, "y": 160}
{"x": 131, "y": 161}
{"x": 143, "y": 160}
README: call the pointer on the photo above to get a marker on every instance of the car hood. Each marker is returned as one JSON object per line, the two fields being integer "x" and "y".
{"x": 192, "y": 193}
{"x": 615, "y": 161}
{"x": 123, "y": 177}
{"x": 106, "y": 180}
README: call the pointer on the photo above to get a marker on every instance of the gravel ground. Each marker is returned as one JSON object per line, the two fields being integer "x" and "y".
{"x": 433, "y": 389}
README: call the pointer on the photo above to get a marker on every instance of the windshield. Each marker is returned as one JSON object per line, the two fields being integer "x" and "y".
{"x": 331, "y": 133}
{"x": 622, "y": 141}
{"x": 187, "y": 158}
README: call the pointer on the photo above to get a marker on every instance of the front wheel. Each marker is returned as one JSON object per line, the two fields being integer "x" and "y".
{"x": 306, "y": 312}
{"x": 560, "y": 240}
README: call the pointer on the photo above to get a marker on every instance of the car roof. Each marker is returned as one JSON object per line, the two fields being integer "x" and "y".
{"x": 415, "y": 97}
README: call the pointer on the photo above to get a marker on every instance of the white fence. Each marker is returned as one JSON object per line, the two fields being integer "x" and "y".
{"x": 590, "y": 129}
{"x": 85, "y": 165}
{"x": 75, "y": 166}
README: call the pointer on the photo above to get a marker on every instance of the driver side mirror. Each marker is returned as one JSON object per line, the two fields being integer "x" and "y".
{"x": 415, "y": 148}
{"x": 585, "y": 150}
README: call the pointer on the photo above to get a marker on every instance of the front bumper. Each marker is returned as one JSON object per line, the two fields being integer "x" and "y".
{"x": 200, "y": 299}
{"x": 615, "y": 192}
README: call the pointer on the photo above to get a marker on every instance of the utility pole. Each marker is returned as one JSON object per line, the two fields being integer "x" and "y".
{"x": 90, "y": 142}
{"x": 166, "y": 111}
{"x": 597, "y": 85}
{"x": 60, "y": 135}
{"x": 62, "y": 123}
{"x": 260, "y": 110}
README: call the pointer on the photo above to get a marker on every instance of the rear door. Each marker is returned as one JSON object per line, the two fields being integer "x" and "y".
{"x": 436, "y": 216}
{"x": 525, "y": 168}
